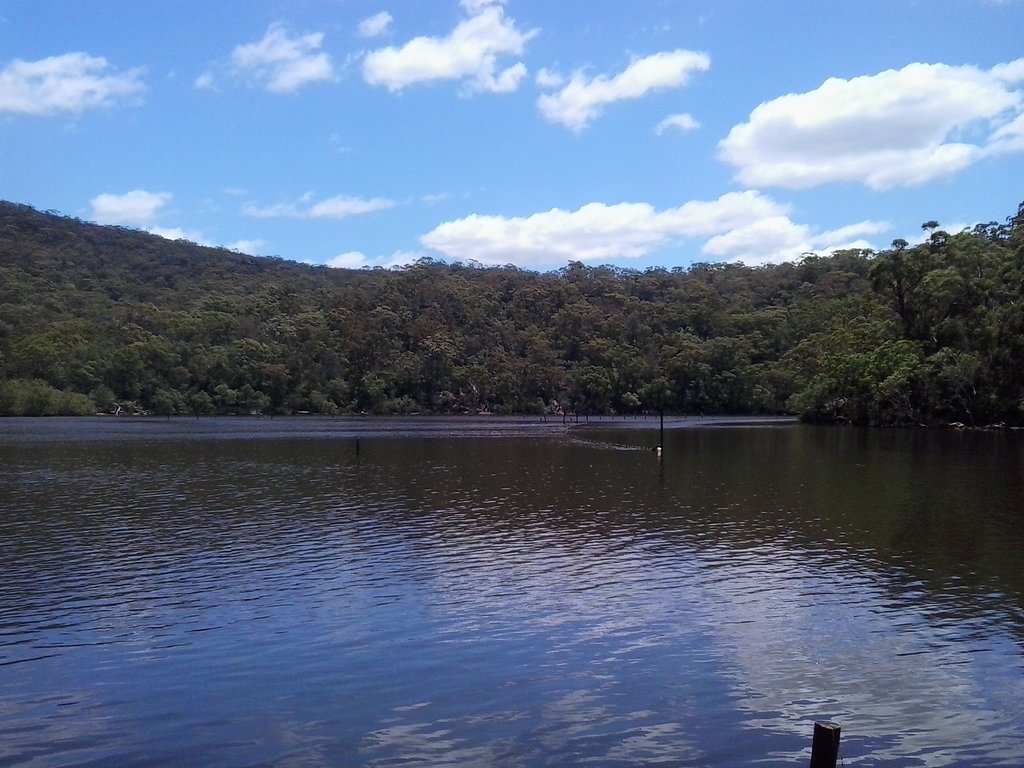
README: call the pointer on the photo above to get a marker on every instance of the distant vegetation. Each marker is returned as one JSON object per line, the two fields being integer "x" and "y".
{"x": 94, "y": 318}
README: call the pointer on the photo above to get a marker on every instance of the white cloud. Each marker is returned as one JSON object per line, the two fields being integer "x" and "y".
{"x": 470, "y": 53}
{"x": 140, "y": 208}
{"x": 338, "y": 207}
{"x": 255, "y": 247}
{"x": 897, "y": 128}
{"x": 775, "y": 239}
{"x": 1008, "y": 137}
{"x": 683, "y": 123}
{"x": 72, "y": 82}
{"x": 473, "y": 7}
{"x": 252, "y": 247}
{"x": 400, "y": 259}
{"x": 359, "y": 260}
{"x": 276, "y": 211}
{"x": 582, "y": 99}
{"x": 375, "y": 25}
{"x": 282, "y": 63}
{"x": 137, "y": 207}
{"x": 1010, "y": 72}
{"x": 205, "y": 82}
{"x": 177, "y": 233}
{"x": 740, "y": 225}
{"x": 835, "y": 239}
{"x": 548, "y": 79}
{"x": 349, "y": 260}
{"x": 762, "y": 241}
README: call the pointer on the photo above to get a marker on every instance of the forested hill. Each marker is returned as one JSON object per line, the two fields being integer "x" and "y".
{"x": 94, "y": 317}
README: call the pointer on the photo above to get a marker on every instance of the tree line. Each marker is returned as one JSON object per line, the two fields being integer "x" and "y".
{"x": 98, "y": 318}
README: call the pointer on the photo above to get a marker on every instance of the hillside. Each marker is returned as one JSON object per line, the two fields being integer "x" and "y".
{"x": 94, "y": 317}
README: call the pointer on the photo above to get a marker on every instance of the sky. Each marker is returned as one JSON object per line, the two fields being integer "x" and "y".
{"x": 634, "y": 133}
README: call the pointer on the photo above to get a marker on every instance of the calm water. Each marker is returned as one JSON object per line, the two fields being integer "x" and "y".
{"x": 490, "y": 593}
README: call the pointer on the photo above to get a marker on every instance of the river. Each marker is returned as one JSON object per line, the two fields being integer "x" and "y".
{"x": 511, "y": 593}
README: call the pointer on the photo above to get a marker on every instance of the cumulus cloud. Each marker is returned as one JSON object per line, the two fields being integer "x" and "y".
{"x": 775, "y": 239}
{"x": 1008, "y": 137}
{"x": 72, "y": 82}
{"x": 375, "y": 25}
{"x": 177, "y": 233}
{"x": 282, "y": 63}
{"x": 897, "y": 128}
{"x": 337, "y": 207}
{"x": 683, "y": 123}
{"x": 469, "y": 53}
{"x": 849, "y": 236}
{"x": 582, "y": 99}
{"x": 349, "y": 260}
{"x": 546, "y": 78}
{"x": 141, "y": 209}
{"x": 400, "y": 259}
{"x": 746, "y": 226}
{"x": 137, "y": 207}
{"x": 255, "y": 247}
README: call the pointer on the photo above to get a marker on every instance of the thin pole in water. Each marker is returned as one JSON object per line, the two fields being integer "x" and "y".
{"x": 661, "y": 430}
{"x": 825, "y": 745}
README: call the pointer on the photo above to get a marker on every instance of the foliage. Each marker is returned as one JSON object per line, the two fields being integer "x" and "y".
{"x": 94, "y": 318}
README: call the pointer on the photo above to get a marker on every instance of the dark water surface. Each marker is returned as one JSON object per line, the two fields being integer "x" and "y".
{"x": 503, "y": 593}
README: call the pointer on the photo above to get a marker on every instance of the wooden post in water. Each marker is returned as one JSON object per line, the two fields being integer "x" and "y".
{"x": 661, "y": 429}
{"x": 825, "y": 745}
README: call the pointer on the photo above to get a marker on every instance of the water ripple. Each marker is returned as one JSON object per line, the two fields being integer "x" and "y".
{"x": 501, "y": 602}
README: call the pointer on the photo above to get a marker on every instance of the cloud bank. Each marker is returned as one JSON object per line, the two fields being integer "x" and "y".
{"x": 137, "y": 207}
{"x": 359, "y": 260}
{"x": 72, "y": 82}
{"x": 141, "y": 209}
{"x": 280, "y": 62}
{"x": 746, "y": 226}
{"x": 898, "y": 128}
{"x": 469, "y": 53}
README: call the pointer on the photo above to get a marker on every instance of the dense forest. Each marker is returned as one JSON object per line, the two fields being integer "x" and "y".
{"x": 100, "y": 319}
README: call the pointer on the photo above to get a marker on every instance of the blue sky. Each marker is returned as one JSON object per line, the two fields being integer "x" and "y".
{"x": 531, "y": 132}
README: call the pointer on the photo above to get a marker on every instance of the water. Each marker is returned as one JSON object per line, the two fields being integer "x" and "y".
{"x": 502, "y": 593}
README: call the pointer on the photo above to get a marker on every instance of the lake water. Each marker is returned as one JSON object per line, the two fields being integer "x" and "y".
{"x": 371, "y": 592}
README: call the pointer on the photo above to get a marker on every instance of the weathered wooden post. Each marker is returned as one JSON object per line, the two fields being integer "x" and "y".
{"x": 825, "y": 745}
{"x": 661, "y": 428}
